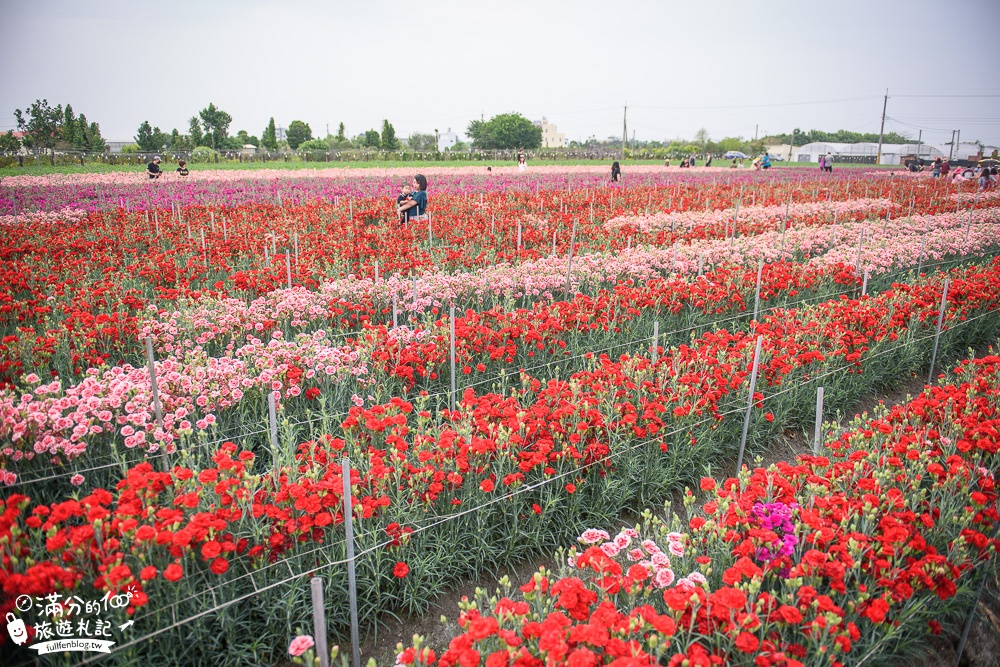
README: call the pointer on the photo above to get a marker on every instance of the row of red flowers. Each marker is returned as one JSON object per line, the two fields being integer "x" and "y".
{"x": 859, "y": 552}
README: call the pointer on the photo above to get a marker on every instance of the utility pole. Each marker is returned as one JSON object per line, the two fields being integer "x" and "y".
{"x": 633, "y": 139}
{"x": 958, "y": 144}
{"x": 920, "y": 137}
{"x": 885, "y": 101}
{"x": 755, "y": 128}
{"x": 624, "y": 129}
{"x": 328, "y": 128}
{"x": 951, "y": 146}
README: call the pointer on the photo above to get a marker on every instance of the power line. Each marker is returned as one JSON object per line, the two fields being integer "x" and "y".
{"x": 755, "y": 106}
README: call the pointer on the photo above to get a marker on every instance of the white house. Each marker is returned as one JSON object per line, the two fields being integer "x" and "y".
{"x": 551, "y": 137}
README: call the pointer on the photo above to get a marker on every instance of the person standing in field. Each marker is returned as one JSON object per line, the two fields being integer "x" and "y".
{"x": 708, "y": 160}
{"x": 822, "y": 163}
{"x": 522, "y": 161}
{"x": 153, "y": 168}
{"x": 828, "y": 166}
{"x": 936, "y": 168}
{"x": 945, "y": 168}
{"x": 182, "y": 169}
{"x": 616, "y": 172}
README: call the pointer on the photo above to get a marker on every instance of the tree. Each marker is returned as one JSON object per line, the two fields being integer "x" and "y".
{"x": 269, "y": 139}
{"x": 194, "y": 131}
{"x": 180, "y": 142}
{"x": 298, "y": 133}
{"x": 340, "y": 133}
{"x": 151, "y": 139}
{"x": 389, "y": 141}
{"x": 422, "y": 142}
{"x": 41, "y": 127}
{"x": 70, "y": 128}
{"x": 371, "y": 139}
{"x": 701, "y": 137}
{"x": 216, "y": 123}
{"x": 9, "y": 144}
{"x": 505, "y": 131}
{"x": 314, "y": 145}
{"x": 144, "y": 137}
{"x": 243, "y": 138}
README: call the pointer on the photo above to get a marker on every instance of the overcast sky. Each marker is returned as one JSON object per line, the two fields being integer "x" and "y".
{"x": 727, "y": 66}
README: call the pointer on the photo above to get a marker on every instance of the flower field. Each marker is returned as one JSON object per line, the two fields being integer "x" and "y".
{"x": 543, "y": 355}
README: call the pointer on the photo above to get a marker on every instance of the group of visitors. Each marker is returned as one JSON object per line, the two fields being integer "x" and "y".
{"x": 153, "y": 168}
{"x": 762, "y": 162}
{"x": 826, "y": 162}
{"x": 985, "y": 175}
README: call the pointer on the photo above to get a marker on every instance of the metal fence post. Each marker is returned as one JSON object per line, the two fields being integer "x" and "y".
{"x": 569, "y": 264}
{"x": 395, "y": 316}
{"x": 818, "y": 439}
{"x": 937, "y": 334}
{"x": 920, "y": 257}
{"x": 319, "y": 621}
{"x": 654, "y": 350}
{"x": 756, "y": 296}
{"x": 272, "y": 422}
{"x": 750, "y": 402}
{"x": 157, "y": 409}
{"x": 864, "y": 284}
{"x": 857, "y": 267}
{"x": 352, "y": 587}
{"x": 288, "y": 269}
{"x": 451, "y": 347}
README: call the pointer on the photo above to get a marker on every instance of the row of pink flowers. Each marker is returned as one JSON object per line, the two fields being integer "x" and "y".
{"x": 59, "y": 421}
{"x": 717, "y": 218}
{"x": 44, "y": 217}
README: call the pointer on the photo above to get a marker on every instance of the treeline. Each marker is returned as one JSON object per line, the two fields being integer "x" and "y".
{"x": 210, "y": 129}
{"x": 48, "y": 128}
{"x": 800, "y": 138}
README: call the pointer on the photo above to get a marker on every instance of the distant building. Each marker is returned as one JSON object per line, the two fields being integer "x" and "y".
{"x": 865, "y": 152}
{"x": 279, "y": 134}
{"x": 551, "y": 138}
{"x": 447, "y": 140}
{"x": 116, "y": 146}
{"x": 783, "y": 151}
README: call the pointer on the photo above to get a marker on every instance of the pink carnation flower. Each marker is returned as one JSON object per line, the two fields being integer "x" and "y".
{"x": 300, "y": 645}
